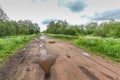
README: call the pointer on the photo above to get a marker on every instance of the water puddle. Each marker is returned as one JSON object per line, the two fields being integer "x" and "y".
{"x": 86, "y": 54}
{"x": 42, "y": 44}
{"x": 51, "y": 42}
{"x": 43, "y": 52}
{"x": 42, "y": 37}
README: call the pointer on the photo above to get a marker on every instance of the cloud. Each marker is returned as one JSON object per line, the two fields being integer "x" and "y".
{"x": 86, "y": 16}
{"x": 115, "y": 14}
{"x": 33, "y": 0}
{"x": 40, "y": 0}
{"x": 47, "y": 21}
{"x": 76, "y": 6}
{"x": 72, "y": 5}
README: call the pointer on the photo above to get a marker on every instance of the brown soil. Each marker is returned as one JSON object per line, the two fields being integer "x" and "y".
{"x": 71, "y": 64}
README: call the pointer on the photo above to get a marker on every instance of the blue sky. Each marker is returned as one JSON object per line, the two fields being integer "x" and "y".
{"x": 73, "y": 11}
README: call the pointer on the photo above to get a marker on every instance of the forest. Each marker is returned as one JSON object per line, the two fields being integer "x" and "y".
{"x": 10, "y": 27}
{"x": 105, "y": 29}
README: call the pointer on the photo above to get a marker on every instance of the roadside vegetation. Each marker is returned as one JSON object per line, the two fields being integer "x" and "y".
{"x": 108, "y": 47}
{"x": 15, "y": 34}
{"x": 10, "y": 27}
{"x": 10, "y": 44}
{"x": 102, "y": 39}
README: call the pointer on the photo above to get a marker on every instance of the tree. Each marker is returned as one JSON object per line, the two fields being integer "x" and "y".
{"x": 8, "y": 28}
{"x": 91, "y": 28}
{"x": 3, "y": 15}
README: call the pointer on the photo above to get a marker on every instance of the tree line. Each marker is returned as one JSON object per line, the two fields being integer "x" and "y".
{"x": 10, "y": 27}
{"x": 105, "y": 29}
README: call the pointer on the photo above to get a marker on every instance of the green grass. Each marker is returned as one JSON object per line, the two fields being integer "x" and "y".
{"x": 10, "y": 44}
{"x": 108, "y": 47}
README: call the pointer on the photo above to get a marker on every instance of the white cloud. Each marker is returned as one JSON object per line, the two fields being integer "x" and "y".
{"x": 115, "y": 14}
{"x": 95, "y": 6}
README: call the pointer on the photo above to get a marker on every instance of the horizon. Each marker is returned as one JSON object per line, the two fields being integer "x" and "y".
{"x": 75, "y": 12}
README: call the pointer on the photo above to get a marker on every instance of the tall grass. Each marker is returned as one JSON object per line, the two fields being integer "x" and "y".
{"x": 108, "y": 47}
{"x": 10, "y": 44}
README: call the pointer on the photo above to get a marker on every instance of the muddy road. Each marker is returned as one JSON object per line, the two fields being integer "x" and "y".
{"x": 66, "y": 63}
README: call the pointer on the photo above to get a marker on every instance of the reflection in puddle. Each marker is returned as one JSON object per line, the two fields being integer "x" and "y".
{"x": 43, "y": 52}
{"x": 42, "y": 38}
{"x": 85, "y": 54}
{"x": 42, "y": 44}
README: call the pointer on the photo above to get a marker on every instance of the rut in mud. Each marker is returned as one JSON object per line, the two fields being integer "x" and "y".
{"x": 50, "y": 59}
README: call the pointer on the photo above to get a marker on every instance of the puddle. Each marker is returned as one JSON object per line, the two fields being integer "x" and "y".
{"x": 51, "y": 42}
{"x": 43, "y": 52}
{"x": 42, "y": 37}
{"x": 42, "y": 44}
{"x": 85, "y": 54}
{"x": 24, "y": 49}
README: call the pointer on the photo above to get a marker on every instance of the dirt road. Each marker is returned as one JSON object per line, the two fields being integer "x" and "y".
{"x": 71, "y": 63}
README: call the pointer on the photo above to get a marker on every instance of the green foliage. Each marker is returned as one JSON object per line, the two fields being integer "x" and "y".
{"x": 91, "y": 28}
{"x": 110, "y": 29}
{"x": 3, "y": 15}
{"x": 10, "y": 44}
{"x": 8, "y": 28}
{"x": 109, "y": 47}
{"x": 62, "y": 27}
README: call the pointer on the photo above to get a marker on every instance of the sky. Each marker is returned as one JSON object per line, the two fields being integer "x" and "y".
{"x": 75, "y": 12}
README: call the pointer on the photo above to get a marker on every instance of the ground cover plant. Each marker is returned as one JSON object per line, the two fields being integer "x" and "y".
{"x": 10, "y": 44}
{"x": 109, "y": 47}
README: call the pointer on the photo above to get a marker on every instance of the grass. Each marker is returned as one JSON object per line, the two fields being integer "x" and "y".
{"x": 107, "y": 47}
{"x": 10, "y": 44}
